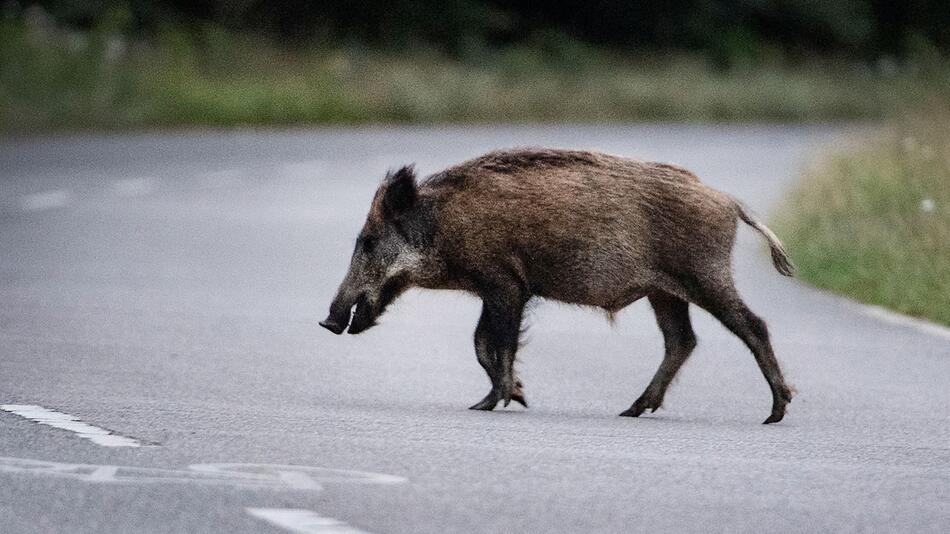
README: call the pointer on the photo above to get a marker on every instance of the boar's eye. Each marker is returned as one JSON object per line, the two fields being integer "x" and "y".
{"x": 368, "y": 243}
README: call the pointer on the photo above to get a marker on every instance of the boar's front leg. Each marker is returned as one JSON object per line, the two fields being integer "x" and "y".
{"x": 496, "y": 342}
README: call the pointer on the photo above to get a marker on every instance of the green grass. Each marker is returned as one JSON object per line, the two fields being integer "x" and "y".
{"x": 51, "y": 79}
{"x": 874, "y": 223}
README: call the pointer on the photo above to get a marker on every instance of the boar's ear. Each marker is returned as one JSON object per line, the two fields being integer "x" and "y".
{"x": 400, "y": 194}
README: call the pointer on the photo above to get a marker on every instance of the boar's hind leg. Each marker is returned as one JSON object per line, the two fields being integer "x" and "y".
{"x": 672, "y": 314}
{"x": 727, "y": 306}
{"x": 496, "y": 341}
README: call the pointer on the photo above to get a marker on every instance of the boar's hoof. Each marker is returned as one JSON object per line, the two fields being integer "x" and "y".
{"x": 640, "y": 406}
{"x": 632, "y": 412}
{"x": 486, "y": 404}
{"x": 776, "y": 416}
{"x": 779, "y": 401}
{"x": 333, "y": 326}
{"x": 493, "y": 398}
{"x": 515, "y": 394}
{"x": 518, "y": 397}
{"x": 510, "y": 390}
{"x": 505, "y": 396}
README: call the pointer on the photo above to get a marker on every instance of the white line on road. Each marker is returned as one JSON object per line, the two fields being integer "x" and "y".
{"x": 45, "y": 416}
{"x": 253, "y": 476}
{"x": 303, "y": 521}
{"x": 133, "y": 187}
{"x": 56, "y": 198}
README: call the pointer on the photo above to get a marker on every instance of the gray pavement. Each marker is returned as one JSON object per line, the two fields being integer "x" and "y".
{"x": 167, "y": 287}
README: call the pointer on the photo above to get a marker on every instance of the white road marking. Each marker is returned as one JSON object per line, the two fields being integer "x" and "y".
{"x": 303, "y": 521}
{"x": 45, "y": 416}
{"x": 898, "y": 319}
{"x": 133, "y": 187}
{"x": 103, "y": 473}
{"x": 253, "y": 476}
{"x": 56, "y": 198}
{"x": 298, "y": 480}
{"x": 300, "y": 477}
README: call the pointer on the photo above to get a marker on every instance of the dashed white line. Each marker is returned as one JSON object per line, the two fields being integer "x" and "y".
{"x": 133, "y": 187}
{"x": 64, "y": 421}
{"x": 56, "y": 198}
{"x": 303, "y": 521}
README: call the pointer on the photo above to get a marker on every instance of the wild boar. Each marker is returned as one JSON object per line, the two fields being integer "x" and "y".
{"x": 578, "y": 227}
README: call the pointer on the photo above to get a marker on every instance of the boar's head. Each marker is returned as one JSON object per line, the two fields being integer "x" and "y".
{"x": 390, "y": 252}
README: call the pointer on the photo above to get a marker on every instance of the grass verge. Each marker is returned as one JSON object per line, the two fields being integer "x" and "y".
{"x": 874, "y": 223}
{"x": 53, "y": 79}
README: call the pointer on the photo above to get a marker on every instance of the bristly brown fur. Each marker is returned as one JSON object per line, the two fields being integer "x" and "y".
{"x": 574, "y": 226}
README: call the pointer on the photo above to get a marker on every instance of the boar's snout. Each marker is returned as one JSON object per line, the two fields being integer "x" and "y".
{"x": 332, "y": 325}
{"x": 339, "y": 316}
{"x": 362, "y": 318}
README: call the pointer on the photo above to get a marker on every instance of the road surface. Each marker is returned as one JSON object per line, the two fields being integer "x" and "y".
{"x": 159, "y": 299}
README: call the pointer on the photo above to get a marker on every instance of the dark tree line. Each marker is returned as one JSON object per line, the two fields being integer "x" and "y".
{"x": 864, "y": 29}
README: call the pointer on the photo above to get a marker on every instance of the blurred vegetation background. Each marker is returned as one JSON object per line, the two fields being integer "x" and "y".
{"x": 75, "y": 64}
{"x": 873, "y": 221}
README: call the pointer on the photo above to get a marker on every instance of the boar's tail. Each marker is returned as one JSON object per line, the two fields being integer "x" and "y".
{"x": 779, "y": 255}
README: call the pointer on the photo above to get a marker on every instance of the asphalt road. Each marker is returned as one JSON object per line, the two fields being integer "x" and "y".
{"x": 167, "y": 288}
